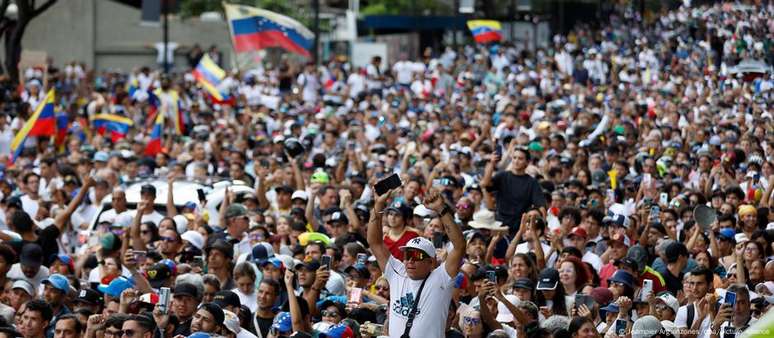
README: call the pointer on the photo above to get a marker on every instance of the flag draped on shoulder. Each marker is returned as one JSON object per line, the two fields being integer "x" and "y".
{"x": 255, "y": 29}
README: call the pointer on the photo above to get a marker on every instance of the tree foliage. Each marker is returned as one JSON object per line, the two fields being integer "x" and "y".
{"x": 299, "y": 10}
{"x": 406, "y": 7}
{"x": 12, "y": 30}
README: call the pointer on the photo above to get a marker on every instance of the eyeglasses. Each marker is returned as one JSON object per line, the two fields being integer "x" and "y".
{"x": 113, "y": 333}
{"x": 463, "y": 206}
{"x": 414, "y": 255}
{"x": 619, "y": 284}
{"x": 168, "y": 239}
{"x": 472, "y": 321}
{"x": 127, "y": 333}
{"x": 326, "y": 313}
{"x": 382, "y": 287}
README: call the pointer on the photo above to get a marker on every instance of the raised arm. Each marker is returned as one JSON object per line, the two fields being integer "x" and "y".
{"x": 171, "y": 210}
{"x": 374, "y": 234}
{"x": 486, "y": 181}
{"x": 63, "y": 218}
{"x": 435, "y": 201}
{"x": 295, "y": 310}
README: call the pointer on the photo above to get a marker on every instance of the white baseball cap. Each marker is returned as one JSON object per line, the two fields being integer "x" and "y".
{"x": 503, "y": 314}
{"x": 300, "y": 194}
{"x": 420, "y": 243}
{"x": 195, "y": 238}
{"x": 422, "y": 211}
{"x": 670, "y": 301}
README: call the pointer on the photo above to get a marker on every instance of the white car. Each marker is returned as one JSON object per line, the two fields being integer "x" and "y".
{"x": 218, "y": 192}
{"x": 183, "y": 192}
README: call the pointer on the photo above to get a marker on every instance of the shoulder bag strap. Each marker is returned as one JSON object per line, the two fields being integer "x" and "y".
{"x": 413, "y": 313}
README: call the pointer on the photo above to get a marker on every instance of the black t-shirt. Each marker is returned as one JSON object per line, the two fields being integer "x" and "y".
{"x": 47, "y": 239}
{"x": 515, "y": 195}
{"x": 264, "y": 324}
{"x": 673, "y": 283}
{"x": 184, "y": 329}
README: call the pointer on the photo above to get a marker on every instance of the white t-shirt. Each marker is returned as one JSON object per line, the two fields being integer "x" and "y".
{"x": 16, "y": 273}
{"x": 682, "y": 317}
{"x": 593, "y": 259}
{"x": 433, "y": 309}
{"x": 29, "y": 205}
{"x": 251, "y": 301}
{"x": 404, "y": 71}
{"x": 171, "y": 46}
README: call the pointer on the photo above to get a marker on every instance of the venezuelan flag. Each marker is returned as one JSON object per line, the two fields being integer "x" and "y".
{"x": 485, "y": 31}
{"x": 210, "y": 76}
{"x": 255, "y": 29}
{"x": 118, "y": 126}
{"x": 41, "y": 123}
{"x": 62, "y": 125}
{"x": 172, "y": 102}
{"x": 131, "y": 86}
{"x": 154, "y": 145}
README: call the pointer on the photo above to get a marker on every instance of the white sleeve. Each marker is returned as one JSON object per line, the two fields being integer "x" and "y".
{"x": 394, "y": 268}
{"x": 680, "y": 317}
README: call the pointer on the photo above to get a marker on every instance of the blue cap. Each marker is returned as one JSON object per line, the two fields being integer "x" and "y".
{"x": 58, "y": 282}
{"x": 728, "y": 234}
{"x": 273, "y": 261}
{"x": 282, "y": 322}
{"x": 190, "y": 205}
{"x": 338, "y": 331}
{"x": 624, "y": 277}
{"x": 116, "y": 286}
{"x": 262, "y": 252}
{"x": 611, "y": 308}
{"x": 101, "y": 156}
{"x": 199, "y": 335}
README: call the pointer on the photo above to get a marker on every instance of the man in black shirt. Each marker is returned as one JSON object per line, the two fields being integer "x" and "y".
{"x": 515, "y": 191}
{"x": 264, "y": 316}
{"x": 23, "y": 224}
{"x": 677, "y": 258}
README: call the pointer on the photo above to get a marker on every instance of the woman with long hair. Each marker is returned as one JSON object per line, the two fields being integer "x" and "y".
{"x": 522, "y": 266}
{"x": 550, "y": 297}
{"x": 573, "y": 275}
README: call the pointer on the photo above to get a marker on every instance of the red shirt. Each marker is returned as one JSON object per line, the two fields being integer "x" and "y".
{"x": 394, "y": 246}
{"x": 607, "y": 271}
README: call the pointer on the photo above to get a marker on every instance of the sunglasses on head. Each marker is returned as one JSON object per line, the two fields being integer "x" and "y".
{"x": 415, "y": 255}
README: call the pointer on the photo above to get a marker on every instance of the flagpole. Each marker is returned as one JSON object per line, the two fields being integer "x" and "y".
{"x": 316, "y": 5}
{"x": 165, "y": 30}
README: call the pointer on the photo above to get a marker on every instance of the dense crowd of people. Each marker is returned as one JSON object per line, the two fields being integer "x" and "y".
{"x": 615, "y": 184}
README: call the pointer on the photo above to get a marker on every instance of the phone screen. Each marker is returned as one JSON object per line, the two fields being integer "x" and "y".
{"x": 620, "y": 327}
{"x": 201, "y": 194}
{"x": 730, "y": 298}
{"x": 326, "y": 261}
{"x": 385, "y": 185}
{"x": 492, "y": 276}
{"x": 438, "y": 240}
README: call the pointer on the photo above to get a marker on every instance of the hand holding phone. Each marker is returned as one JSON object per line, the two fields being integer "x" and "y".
{"x": 387, "y": 184}
{"x": 326, "y": 261}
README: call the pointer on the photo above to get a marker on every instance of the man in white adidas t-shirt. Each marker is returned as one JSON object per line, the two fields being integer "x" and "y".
{"x": 419, "y": 265}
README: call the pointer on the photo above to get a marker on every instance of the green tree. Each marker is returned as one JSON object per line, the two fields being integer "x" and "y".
{"x": 406, "y": 7}
{"x": 299, "y": 10}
